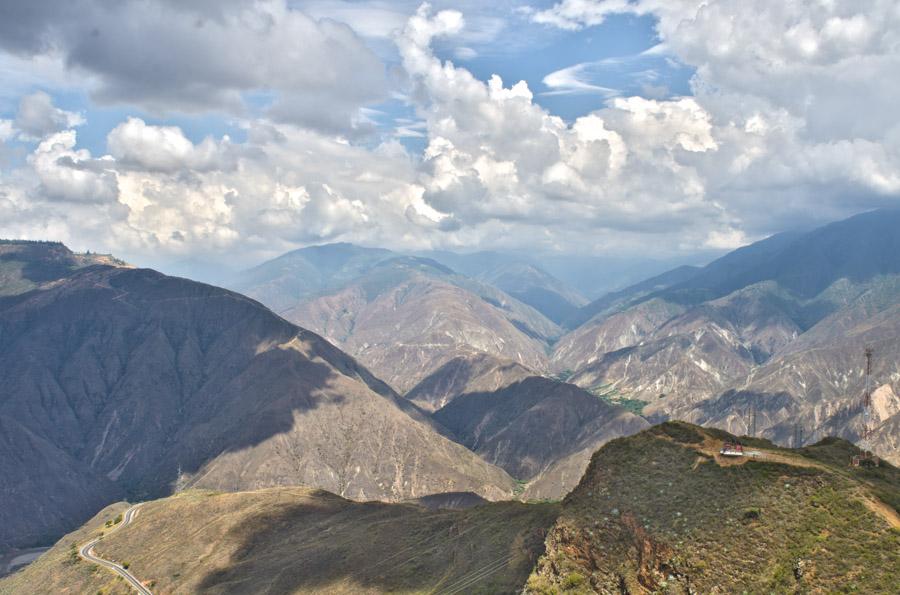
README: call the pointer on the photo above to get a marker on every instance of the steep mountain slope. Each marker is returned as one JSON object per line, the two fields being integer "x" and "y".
{"x": 785, "y": 319}
{"x": 156, "y": 383}
{"x": 478, "y": 372}
{"x": 526, "y": 426}
{"x": 806, "y": 264}
{"x": 814, "y": 386}
{"x": 589, "y": 342}
{"x": 294, "y": 540}
{"x": 406, "y": 316}
{"x": 537, "y": 288}
{"x": 692, "y": 355}
{"x": 619, "y": 300}
{"x": 661, "y": 511}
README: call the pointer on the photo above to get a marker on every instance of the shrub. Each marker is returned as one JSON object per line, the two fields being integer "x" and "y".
{"x": 572, "y": 580}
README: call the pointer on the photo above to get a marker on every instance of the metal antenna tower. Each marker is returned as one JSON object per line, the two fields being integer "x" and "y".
{"x": 867, "y": 396}
{"x": 867, "y": 458}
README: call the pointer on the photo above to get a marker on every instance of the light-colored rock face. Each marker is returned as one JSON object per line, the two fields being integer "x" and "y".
{"x": 885, "y": 439}
{"x": 404, "y": 322}
{"x": 885, "y": 403}
{"x": 813, "y": 387}
{"x": 662, "y": 353}
{"x": 597, "y": 337}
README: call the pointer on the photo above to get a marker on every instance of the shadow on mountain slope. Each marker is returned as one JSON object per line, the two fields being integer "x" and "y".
{"x": 331, "y": 545}
{"x": 157, "y": 383}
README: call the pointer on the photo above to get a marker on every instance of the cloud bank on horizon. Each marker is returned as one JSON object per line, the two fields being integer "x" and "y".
{"x": 231, "y": 130}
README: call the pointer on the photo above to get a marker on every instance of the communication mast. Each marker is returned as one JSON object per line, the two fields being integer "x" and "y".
{"x": 867, "y": 397}
{"x": 867, "y": 458}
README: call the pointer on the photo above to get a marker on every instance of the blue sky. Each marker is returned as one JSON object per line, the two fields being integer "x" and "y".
{"x": 519, "y": 50}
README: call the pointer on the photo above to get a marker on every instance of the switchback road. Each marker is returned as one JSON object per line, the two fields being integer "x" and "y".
{"x": 87, "y": 552}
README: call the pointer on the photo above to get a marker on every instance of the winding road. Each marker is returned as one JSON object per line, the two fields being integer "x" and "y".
{"x": 87, "y": 552}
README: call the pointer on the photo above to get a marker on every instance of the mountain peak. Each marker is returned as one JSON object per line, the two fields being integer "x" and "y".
{"x": 29, "y": 264}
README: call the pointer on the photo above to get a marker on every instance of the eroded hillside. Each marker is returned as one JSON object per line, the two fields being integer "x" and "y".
{"x": 119, "y": 381}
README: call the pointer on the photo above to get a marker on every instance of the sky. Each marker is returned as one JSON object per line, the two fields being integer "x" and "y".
{"x": 225, "y": 132}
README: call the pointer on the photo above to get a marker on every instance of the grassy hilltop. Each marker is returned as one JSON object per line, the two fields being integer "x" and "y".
{"x": 662, "y": 512}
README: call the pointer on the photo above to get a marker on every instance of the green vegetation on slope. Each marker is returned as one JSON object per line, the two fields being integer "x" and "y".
{"x": 660, "y": 512}
{"x": 610, "y": 394}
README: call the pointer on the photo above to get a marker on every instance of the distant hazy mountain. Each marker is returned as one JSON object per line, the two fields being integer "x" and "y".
{"x": 118, "y": 381}
{"x": 595, "y": 276}
{"x": 402, "y": 316}
{"x": 281, "y": 282}
{"x": 619, "y": 300}
{"x": 787, "y": 317}
{"x": 518, "y": 277}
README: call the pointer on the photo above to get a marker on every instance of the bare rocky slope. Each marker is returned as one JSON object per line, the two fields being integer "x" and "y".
{"x": 477, "y": 372}
{"x": 779, "y": 326}
{"x": 404, "y": 317}
{"x": 125, "y": 381}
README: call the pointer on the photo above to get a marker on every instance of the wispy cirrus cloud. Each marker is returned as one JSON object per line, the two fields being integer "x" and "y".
{"x": 651, "y": 73}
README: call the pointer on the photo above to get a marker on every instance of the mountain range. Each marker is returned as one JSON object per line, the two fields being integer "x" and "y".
{"x": 120, "y": 381}
{"x": 439, "y": 381}
{"x": 123, "y": 382}
{"x": 774, "y": 331}
{"x": 401, "y": 316}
